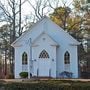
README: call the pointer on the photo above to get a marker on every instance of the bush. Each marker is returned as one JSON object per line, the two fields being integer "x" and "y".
{"x": 66, "y": 74}
{"x": 23, "y": 74}
{"x": 46, "y": 85}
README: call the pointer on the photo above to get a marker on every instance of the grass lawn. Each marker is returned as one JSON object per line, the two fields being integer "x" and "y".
{"x": 52, "y": 84}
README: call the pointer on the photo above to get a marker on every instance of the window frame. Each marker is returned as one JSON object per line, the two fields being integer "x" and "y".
{"x": 44, "y": 54}
{"x": 67, "y": 58}
{"x": 24, "y": 58}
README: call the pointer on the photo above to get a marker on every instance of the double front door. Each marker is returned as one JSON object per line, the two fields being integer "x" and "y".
{"x": 43, "y": 67}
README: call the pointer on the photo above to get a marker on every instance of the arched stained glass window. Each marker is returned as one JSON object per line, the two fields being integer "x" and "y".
{"x": 24, "y": 58}
{"x": 67, "y": 58}
{"x": 44, "y": 54}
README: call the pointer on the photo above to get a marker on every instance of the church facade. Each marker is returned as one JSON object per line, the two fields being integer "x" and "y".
{"x": 46, "y": 50}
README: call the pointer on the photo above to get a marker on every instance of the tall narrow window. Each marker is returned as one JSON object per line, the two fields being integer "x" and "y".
{"x": 67, "y": 58}
{"x": 24, "y": 58}
{"x": 44, "y": 54}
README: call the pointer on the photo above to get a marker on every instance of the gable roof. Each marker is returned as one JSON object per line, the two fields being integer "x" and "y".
{"x": 27, "y": 31}
{"x": 44, "y": 18}
{"x": 44, "y": 33}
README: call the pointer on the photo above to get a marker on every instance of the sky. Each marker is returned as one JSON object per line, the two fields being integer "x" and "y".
{"x": 27, "y": 9}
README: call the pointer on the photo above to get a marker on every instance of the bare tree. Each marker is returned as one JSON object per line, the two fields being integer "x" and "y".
{"x": 4, "y": 45}
{"x": 40, "y": 8}
{"x": 11, "y": 13}
{"x": 45, "y": 7}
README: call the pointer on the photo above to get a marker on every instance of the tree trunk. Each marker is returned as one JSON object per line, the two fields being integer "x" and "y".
{"x": 20, "y": 31}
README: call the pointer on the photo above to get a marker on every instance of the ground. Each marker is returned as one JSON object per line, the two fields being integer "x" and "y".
{"x": 25, "y": 80}
{"x": 45, "y": 84}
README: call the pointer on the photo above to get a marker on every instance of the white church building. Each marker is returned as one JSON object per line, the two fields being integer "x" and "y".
{"x": 46, "y": 50}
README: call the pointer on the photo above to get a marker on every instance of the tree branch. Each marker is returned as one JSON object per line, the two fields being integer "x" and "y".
{"x": 5, "y": 11}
